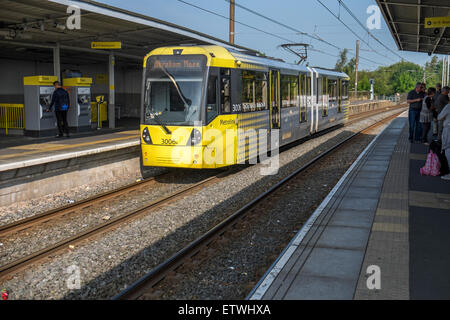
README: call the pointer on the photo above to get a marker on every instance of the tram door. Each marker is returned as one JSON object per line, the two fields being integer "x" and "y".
{"x": 275, "y": 110}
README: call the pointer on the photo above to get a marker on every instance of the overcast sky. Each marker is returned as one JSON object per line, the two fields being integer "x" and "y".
{"x": 304, "y": 15}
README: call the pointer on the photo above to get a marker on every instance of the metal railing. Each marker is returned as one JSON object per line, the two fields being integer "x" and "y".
{"x": 365, "y": 95}
{"x": 12, "y": 116}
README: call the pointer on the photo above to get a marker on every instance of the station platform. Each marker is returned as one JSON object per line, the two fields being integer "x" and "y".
{"x": 383, "y": 232}
{"x": 51, "y": 150}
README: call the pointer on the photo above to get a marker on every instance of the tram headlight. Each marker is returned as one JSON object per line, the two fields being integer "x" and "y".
{"x": 196, "y": 138}
{"x": 146, "y": 136}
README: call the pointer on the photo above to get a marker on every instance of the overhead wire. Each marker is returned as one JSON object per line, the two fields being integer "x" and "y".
{"x": 270, "y": 33}
{"x": 351, "y": 30}
{"x": 315, "y": 37}
{"x": 364, "y": 27}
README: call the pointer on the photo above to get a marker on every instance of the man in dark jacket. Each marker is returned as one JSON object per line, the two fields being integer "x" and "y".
{"x": 414, "y": 99}
{"x": 61, "y": 102}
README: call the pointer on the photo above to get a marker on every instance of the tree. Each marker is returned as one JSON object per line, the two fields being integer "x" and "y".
{"x": 342, "y": 61}
{"x": 399, "y": 77}
{"x": 433, "y": 71}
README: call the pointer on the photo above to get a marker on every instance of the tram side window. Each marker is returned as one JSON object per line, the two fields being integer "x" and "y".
{"x": 317, "y": 90}
{"x": 345, "y": 84}
{"x": 289, "y": 91}
{"x": 254, "y": 91}
{"x": 308, "y": 86}
{"x": 332, "y": 90}
{"x": 303, "y": 95}
{"x": 324, "y": 97}
{"x": 339, "y": 95}
{"x": 225, "y": 91}
{"x": 211, "y": 99}
{"x": 343, "y": 95}
{"x": 261, "y": 91}
{"x": 248, "y": 90}
{"x": 285, "y": 102}
{"x": 294, "y": 91}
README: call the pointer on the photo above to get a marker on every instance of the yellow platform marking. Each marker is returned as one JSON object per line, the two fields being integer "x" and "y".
{"x": 390, "y": 227}
{"x": 395, "y": 196}
{"x": 36, "y": 146}
{"x": 418, "y": 156}
{"x": 429, "y": 200}
{"x": 392, "y": 212}
{"x": 56, "y": 147}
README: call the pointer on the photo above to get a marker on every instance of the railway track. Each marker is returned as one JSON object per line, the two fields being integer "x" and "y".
{"x": 14, "y": 266}
{"x": 200, "y": 248}
{"x": 71, "y": 208}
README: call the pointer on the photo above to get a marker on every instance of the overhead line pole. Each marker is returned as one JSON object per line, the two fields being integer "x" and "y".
{"x": 232, "y": 9}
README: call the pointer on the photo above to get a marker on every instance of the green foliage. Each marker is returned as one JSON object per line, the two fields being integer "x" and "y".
{"x": 400, "y": 77}
{"x": 342, "y": 61}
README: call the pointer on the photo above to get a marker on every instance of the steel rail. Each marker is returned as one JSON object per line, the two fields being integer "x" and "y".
{"x": 51, "y": 214}
{"x": 158, "y": 274}
{"x": 21, "y": 263}
{"x": 57, "y": 212}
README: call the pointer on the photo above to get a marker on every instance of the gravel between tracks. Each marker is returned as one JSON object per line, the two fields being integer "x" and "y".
{"x": 114, "y": 260}
{"x": 25, "y": 242}
{"x": 238, "y": 261}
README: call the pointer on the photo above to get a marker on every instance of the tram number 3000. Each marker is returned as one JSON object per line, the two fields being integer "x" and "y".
{"x": 168, "y": 141}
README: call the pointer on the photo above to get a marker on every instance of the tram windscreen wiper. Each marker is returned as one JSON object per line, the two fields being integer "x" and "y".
{"x": 156, "y": 117}
{"x": 187, "y": 102}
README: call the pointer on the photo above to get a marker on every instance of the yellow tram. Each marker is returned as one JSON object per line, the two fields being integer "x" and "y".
{"x": 210, "y": 106}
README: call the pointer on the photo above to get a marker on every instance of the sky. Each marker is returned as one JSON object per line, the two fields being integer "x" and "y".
{"x": 303, "y": 15}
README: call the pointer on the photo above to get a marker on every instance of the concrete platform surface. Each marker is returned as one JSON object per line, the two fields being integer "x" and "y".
{"x": 21, "y": 156}
{"x": 381, "y": 233}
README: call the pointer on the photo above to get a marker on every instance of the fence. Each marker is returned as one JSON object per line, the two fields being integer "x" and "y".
{"x": 12, "y": 116}
{"x": 365, "y": 95}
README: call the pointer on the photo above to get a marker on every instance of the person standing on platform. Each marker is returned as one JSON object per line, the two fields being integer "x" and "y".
{"x": 415, "y": 98}
{"x": 426, "y": 114}
{"x": 438, "y": 90}
{"x": 424, "y": 87}
{"x": 441, "y": 102}
{"x": 444, "y": 117}
{"x": 61, "y": 102}
{"x": 436, "y": 96}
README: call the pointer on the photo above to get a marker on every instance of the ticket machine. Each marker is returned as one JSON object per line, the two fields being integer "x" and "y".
{"x": 38, "y": 91}
{"x": 79, "y": 114}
